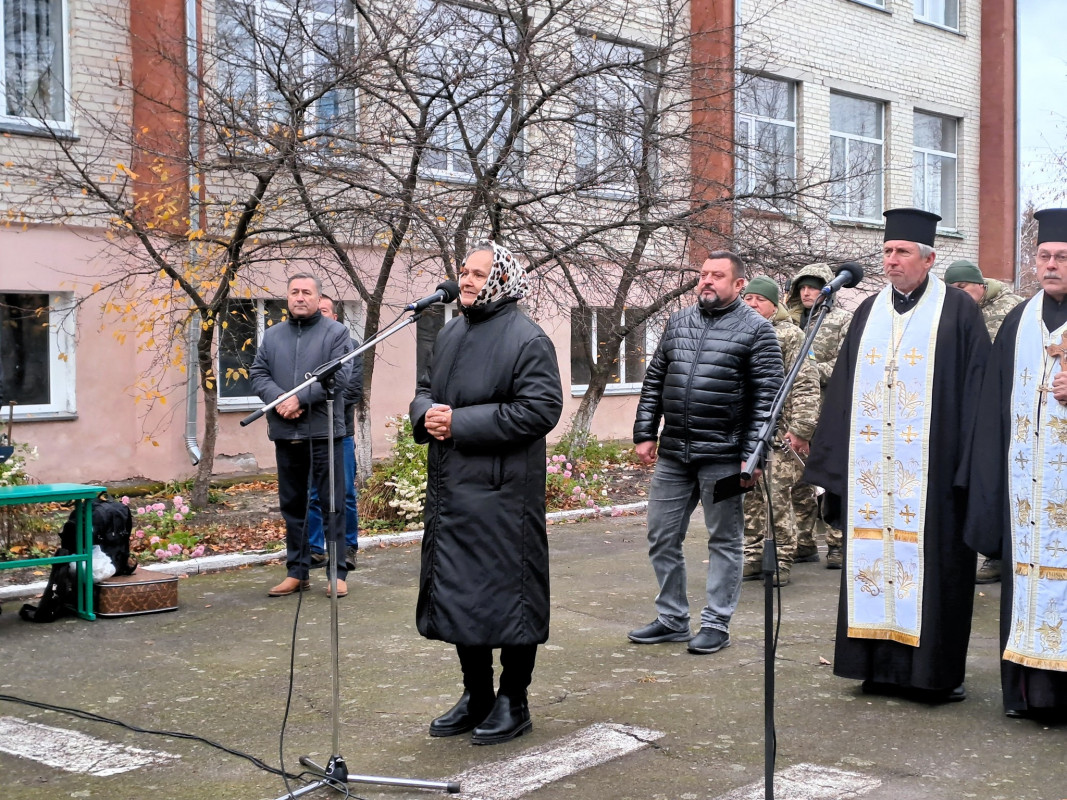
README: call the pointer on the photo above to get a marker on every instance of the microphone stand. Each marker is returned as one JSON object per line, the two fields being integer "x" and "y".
{"x": 335, "y": 774}
{"x": 770, "y": 552}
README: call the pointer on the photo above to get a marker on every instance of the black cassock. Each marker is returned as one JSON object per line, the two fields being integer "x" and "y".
{"x": 938, "y": 663}
{"x": 988, "y": 522}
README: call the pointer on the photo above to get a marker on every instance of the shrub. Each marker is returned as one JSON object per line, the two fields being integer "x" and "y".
{"x": 162, "y": 533}
{"x": 586, "y": 449}
{"x": 396, "y": 490}
{"x": 569, "y": 486}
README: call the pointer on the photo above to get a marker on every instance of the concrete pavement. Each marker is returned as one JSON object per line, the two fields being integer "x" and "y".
{"x": 219, "y": 667}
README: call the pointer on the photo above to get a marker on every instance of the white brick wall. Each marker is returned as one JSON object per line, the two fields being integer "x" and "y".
{"x": 844, "y": 45}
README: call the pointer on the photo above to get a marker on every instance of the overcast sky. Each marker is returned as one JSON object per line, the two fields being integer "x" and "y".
{"x": 1042, "y": 100}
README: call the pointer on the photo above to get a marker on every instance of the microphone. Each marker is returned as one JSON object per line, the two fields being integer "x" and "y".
{"x": 848, "y": 275}
{"x": 446, "y": 293}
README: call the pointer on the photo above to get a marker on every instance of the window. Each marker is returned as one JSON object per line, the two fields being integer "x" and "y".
{"x": 268, "y": 49}
{"x": 766, "y": 142}
{"x": 945, "y": 13}
{"x": 935, "y": 166}
{"x": 33, "y": 70}
{"x": 855, "y": 158}
{"x": 37, "y": 354}
{"x": 629, "y": 369}
{"x": 613, "y": 108}
{"x": 467, "y": 71}
{"x": 240, "y": 333}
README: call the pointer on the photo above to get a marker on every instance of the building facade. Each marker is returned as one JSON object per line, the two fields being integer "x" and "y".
{"x": 835, "y": 111}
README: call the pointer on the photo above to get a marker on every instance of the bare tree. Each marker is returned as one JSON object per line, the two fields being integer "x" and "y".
{"x": 376, "y": 142}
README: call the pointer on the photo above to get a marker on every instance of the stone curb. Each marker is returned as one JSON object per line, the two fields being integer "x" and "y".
{"x": 199, "y": 566}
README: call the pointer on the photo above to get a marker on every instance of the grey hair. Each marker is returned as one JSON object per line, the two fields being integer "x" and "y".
{"x": 925, "y": 250}
{"x": 305, "y": 276}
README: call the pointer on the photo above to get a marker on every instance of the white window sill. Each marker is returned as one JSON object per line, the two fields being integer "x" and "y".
{"x": 579, "y": 390}
{"x": 239, "y": 404}
{"x": 875, "y": 6}
{"x": 939, "y": 26}
{"x": 27, "y": 127}
{"x": 40, "y": 416}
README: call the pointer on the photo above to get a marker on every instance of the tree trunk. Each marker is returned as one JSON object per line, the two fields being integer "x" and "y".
{"x": 582, "y": 421}
{"x": 209, "y": 385}
{"x": 364, "y": 450}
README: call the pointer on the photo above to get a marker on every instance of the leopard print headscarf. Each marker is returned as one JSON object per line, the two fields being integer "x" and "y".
{"x": 507, "y": 277}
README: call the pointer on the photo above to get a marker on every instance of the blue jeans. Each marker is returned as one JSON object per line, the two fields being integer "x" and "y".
{"x": 676, "y": 489}
{"x": 316, "y": 538}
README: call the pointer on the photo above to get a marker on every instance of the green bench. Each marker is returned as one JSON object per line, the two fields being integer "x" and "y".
{"x": 83, "y": 557}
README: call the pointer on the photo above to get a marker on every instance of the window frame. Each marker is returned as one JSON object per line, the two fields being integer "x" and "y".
{"x": 654, "y": 325}
{"x": 927, "y": 152}
{"x": 307, "y": 56}
{"x": 600, "y": 135}
{"x": 20, "y": 124}
{"x": 350, "y": 316}
{"x": 851, "y": 137}
{"x": 448, "y": 144}
{"x": 62, "y": 370}
{"x": 752, "y": 120}
{"x": 925, "y": 17}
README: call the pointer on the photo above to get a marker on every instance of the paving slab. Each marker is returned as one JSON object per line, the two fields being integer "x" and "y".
{"x": 219, "y": 667}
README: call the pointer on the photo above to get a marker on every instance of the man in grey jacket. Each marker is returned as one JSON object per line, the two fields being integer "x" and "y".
{"x": 302, "y": 432}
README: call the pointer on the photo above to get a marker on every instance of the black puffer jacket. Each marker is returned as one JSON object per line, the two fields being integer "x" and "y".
{"x": 484, "y": 574}
{"x": 712, "y": 381}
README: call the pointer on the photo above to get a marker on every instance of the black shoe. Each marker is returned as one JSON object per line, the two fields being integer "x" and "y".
{"x": 988, "y": 572}
{"x": 809, "y": 554}
{"x": 884, "y": 689}
{"x": 1015, "y": 713}
{"x": 834, "y": 558}
{"x": 509, "y": 718}
{"x": 462, "y": 717}
{"x": 709, "y": 640}
{"x": 656, "y": 632}
{"x": 350, "y": 557}
{"x": 957, "y": 695}
{"x": 319, "y": 560}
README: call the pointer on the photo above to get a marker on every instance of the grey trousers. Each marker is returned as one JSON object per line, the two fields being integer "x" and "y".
{"x": 676, "y": 489}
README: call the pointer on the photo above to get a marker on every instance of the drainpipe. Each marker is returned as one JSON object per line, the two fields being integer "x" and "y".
{"x": 192, "y": 370}
{"x": 192, "y": 38}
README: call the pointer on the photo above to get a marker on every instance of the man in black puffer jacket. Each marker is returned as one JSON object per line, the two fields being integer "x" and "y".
{"x": 712, "y": 382}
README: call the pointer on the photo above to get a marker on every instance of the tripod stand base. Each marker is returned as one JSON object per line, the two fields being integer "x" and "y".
{"x": 332, "y": 775}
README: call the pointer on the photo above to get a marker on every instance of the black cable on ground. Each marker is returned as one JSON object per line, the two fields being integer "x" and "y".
{"x": 93, "y": 717}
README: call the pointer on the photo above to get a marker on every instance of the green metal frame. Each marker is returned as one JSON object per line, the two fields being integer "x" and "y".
{"x": 62, "y": 493}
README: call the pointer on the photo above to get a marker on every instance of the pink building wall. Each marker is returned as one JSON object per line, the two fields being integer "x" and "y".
{"x": 106, "y": 440}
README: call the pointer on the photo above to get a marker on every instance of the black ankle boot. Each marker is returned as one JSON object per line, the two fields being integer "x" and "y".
{"x": 463, "y": 716}
{"x": 509, "y": 718}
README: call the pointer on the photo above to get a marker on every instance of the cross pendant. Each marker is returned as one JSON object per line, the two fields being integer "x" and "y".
{"x": 891, "y": 373}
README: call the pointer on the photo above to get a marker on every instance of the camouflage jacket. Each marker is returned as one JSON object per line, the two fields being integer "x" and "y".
{"x": 831, "y": 334}
{"x": 801, "y": 410}
{"x": 996, "y": 304}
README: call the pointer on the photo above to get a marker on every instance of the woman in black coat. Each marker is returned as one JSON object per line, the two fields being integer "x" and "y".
{"x": 490, "y": 396}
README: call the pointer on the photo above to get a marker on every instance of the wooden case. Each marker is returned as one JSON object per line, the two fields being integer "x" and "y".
{"x": 143, "y": 592}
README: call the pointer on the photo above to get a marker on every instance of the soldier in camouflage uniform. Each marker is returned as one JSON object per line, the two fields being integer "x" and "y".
{"x": 795, "y": 427}
{"x": 995, "y": 300}
{"x": 805, "y": 290}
